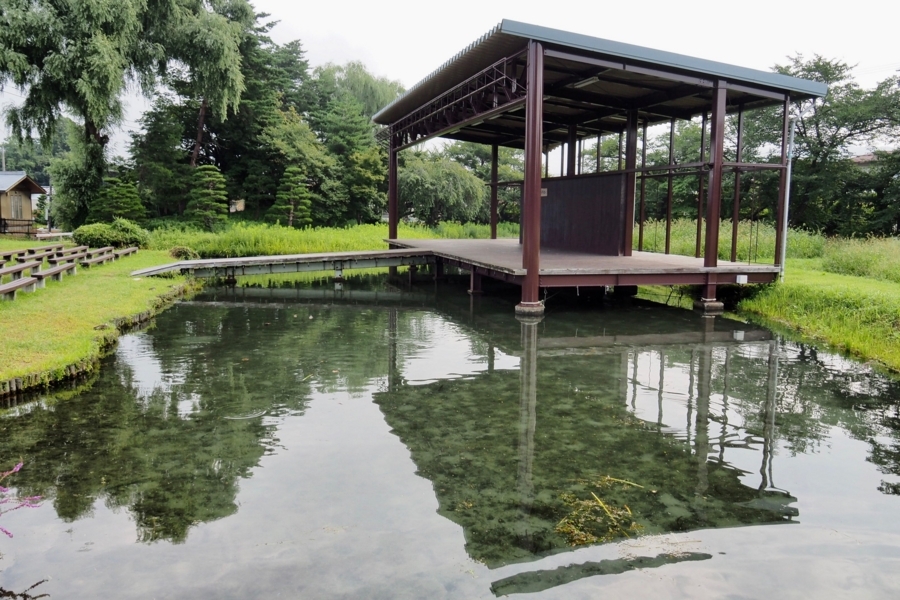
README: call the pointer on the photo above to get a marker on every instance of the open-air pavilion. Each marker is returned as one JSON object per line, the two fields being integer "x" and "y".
{"x": 534, "y": 88}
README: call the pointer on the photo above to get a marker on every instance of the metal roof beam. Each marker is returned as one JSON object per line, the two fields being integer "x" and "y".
{"x": 623, "y": 66}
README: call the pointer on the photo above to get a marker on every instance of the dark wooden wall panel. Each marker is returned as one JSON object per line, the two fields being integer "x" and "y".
{"x": 584, "y": 214}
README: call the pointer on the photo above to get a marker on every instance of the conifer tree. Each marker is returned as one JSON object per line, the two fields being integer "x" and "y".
{"x": 208, "y": 206}
{"x": 117, "y": 199}
{"x": 293, "y": 203}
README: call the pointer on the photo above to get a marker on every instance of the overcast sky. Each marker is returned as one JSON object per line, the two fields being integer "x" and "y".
{"x": 406, "y": 40}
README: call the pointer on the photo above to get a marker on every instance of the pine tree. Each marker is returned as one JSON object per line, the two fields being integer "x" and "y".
{"x": 208, "y": 206}
{"x": 117, "y": 199}
{"x": 293, "y": 203}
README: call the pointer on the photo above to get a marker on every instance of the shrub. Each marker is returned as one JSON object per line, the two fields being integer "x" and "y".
{"x": 119, "y": 233}
{"x": 130, "y": 233}
{"x": 183, "y": 253}
{"x": 95, "y": 235}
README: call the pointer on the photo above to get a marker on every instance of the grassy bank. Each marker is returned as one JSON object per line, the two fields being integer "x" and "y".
{"x": 69, "y": 323}
{"x": 857, "y": 315}
{"x": 841, "y": 292}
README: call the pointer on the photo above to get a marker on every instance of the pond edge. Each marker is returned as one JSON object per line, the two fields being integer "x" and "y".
{"x": 107, "y": 340}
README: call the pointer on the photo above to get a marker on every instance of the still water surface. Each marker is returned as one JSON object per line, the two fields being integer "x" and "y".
{"x": 411, "y": 444}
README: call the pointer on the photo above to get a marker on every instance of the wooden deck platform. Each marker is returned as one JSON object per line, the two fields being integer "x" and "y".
{"x": 502, "y": 259}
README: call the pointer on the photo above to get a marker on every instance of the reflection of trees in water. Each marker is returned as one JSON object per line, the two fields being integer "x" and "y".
{"x": 25, "y": 594}
{"x": 170, "y": 466}
{"x": 818, "y": 391}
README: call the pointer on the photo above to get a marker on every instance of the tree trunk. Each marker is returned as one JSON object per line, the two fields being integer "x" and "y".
{"x": 200, "y": 122}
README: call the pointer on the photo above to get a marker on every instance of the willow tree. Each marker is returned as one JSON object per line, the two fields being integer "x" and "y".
{"x": 79, "y": 58}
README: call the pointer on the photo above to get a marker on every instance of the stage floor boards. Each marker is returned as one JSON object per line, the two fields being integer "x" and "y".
{"x": 502, "y": 259}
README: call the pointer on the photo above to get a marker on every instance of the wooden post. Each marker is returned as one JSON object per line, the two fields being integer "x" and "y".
{"x": 572, "y": 150}
{"x": 641, "y": 213}
{"x": 531, "y": 205}
{"x": 782, "y": 182}
{"x": 630, "y": 180}
{"x": 717, "y": 154}
{"x": 393, "y": 198}
{"x": 670, "y": 192}
{"x": 494, "y": 161}
{"x": 701, "y": 183}
{"x": 736, "y": 203}
{"x": 708, "y": 301}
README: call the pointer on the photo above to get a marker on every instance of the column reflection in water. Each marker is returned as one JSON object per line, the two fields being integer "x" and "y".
{"x": 527, "y": 415}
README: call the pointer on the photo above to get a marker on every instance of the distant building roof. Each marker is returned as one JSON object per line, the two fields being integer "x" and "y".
{"x": 10, "y": 179}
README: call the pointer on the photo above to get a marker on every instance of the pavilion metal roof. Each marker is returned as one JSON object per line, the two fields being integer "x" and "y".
{"x": 510, "y": 38}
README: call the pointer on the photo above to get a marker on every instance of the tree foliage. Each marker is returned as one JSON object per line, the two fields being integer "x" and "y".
{"x": 78, "y": 57}
{"x": 293, "y": 203}
{"x": 510, "y": 167}
{"x": 117, "y": 199}
{"x": 434, "y": 189}
{"x": 208, "y": 206}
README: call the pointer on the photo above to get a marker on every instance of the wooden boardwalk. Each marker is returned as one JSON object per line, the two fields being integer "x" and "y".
{"x": 292, "y": 263}
{"x": 499, "y": 259}
{"x": 502, "y": 259}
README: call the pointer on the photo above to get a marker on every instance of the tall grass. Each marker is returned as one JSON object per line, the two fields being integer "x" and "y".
{"x": 756, "y": 241}
{"x": 860, "y": 316}
{"x": 875, "y": 258}
{"x": 258, "y": 239}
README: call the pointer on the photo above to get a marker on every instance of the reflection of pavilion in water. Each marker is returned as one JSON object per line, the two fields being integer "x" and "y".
{"x": 684, "y": 414}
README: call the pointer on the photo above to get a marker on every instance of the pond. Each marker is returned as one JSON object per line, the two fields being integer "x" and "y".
{"x": 412, "y": 442}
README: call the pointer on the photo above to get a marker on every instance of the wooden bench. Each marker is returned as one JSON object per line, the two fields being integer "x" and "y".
{"x": 8, "y": 290}
{"x": 17, "y": 271}
{"x": 99, "y": 251}
{"x": 8, "y": 255}
{"x": 56, "y": 273}
{"x": 39, "y": 256}
{"x": 73, "y": 250}
{"x": 124, "y": 252}
{"x": 47, "y": 248}
{"x": 67, "y": 258}
{"x": 97, "y": 260}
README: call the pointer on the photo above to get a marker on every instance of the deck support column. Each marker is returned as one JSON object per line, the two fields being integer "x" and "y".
{"x": 630, "y": 180}
{"x": 474, "y": 282}
{"x": 531, "y": 201}
{"x": 717, "y": 155}
{"x": 494, "y": 160}
{"x": 393, "y": 208}
{"x": 572, "y": 151}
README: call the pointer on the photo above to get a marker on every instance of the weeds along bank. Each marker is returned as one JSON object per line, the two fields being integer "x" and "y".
{"x": 859, "y": 315}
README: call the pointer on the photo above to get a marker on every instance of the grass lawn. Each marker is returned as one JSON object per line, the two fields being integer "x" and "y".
{"x": 49, "y": 329}
{"x": 858, "y": 315}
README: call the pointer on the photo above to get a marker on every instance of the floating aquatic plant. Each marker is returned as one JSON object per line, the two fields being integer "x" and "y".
{"x": 593, "y": 520}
